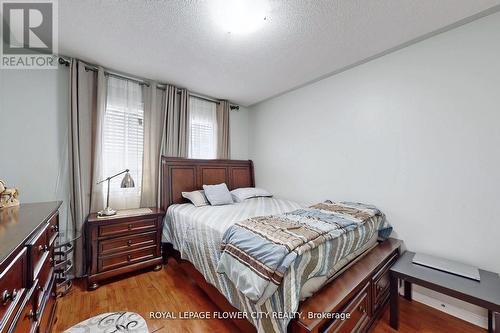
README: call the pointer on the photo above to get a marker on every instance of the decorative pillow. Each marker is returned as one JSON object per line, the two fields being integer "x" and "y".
{"x": 198, "y": 198}
{"x": 218, "y": 194}
{"x": 244, "y": 193}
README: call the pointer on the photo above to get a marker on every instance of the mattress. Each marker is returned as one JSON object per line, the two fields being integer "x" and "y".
{"x": 196, "y": 232}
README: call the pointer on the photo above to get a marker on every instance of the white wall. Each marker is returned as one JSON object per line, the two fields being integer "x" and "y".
{"x": 33, "y": 133}
{"x": 416, "y": 132}
{"x": 239, "y": 133}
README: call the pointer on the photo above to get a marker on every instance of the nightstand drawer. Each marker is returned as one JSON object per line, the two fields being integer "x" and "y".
{"x": 127, "y": 258}
{"x": 135, "y": 226}
{"x": 127, "y": 243}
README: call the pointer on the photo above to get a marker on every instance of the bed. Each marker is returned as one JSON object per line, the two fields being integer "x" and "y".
{"x": 194, "y": 234}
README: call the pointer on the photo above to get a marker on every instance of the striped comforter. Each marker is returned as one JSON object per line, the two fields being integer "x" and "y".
{"x": 197, "y": 232}
{"x": 257, "y": 252}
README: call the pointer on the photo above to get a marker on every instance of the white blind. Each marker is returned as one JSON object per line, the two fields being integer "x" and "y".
{"x": 203, "y": 129}
{"x": 123, "y": 140}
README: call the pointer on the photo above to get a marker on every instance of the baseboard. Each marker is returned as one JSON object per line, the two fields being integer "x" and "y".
{"x": 452, "y": 306}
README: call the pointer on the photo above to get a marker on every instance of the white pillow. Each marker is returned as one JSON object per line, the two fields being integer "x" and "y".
{"x": 218, "y": 194}
{"x": 198, "y": 198}
{"x": 244, "y": 193}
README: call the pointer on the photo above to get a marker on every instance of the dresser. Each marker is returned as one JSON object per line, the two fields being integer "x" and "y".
{"x": 27, "y": 284}
{"x": 123, "y": 243}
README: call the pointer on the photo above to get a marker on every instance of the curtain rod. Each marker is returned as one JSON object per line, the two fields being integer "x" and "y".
{"x": 160, "y": 86}
{"x": 144, "y": 83}
{"x": 93, "y": 68}
{"x": 208, "y": 99}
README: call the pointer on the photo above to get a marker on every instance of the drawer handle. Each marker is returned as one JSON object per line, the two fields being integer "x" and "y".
{"x": 31, "y": 315}
{"x": 380, "y": 288}
{"x": 54, "y": 227}
{"x": 40, "y": 288}
{"x": 361, "y": 309}
{"x": 43, "y": 248}
{"x": 129, "y": 242}
{"x": 129, "y": 226}
{"x": 129, "y": 257}
{"x": 6, "y": 296}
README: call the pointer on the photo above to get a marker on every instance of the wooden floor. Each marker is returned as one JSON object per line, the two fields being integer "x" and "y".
{"x": 417, "y": 317}
{"x": 170, "y": 290}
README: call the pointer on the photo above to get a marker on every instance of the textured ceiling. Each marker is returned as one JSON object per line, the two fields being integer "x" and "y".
{"x": 176, "y": 41}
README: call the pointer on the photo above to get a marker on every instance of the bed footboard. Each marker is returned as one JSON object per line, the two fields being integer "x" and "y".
{"x": 362, "y": 291}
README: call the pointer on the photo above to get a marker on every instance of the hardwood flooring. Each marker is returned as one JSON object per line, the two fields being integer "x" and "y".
{"x": 170, "y": 290}
{"x": 417, "y": 317}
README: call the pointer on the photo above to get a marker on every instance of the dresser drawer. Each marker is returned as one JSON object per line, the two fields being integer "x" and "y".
{"x": 53, "y": 229}
{"x": 129, "y": 227}
{"x": 26, "y": 319}
{"x": 359, "y": 309}
{"x": 12, "y": 288}
{"x": 38, "y": 249}
{"x": 127, "y": 258}
{"x": 380, "y": 284}
{"x": 46, "y": 303}
{"x": 47, "y": 314}
{"x": 46, "y": 272}
{"x": 127, "y": 243}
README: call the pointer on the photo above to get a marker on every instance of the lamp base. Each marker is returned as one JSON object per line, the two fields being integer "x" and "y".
{"x": 108, "y": 211}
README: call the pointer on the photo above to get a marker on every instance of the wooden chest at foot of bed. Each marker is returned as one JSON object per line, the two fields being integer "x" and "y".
{"x": 361, "y": 291}
{"x": 122, "y": 243}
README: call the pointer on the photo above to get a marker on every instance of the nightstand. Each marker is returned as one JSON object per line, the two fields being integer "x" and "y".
{"x": 123, "y": 243}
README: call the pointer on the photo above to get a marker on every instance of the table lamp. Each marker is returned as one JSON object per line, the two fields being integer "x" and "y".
{"x": 127, "y": 182}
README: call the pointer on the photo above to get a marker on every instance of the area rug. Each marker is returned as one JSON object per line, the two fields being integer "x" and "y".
{"x": 111, "y": 322}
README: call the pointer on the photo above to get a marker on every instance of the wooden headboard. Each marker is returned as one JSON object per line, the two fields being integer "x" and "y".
{"x": 184, "y": 175}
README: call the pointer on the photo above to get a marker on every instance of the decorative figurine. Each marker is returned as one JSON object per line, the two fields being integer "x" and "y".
{"x": 8, "y": 196}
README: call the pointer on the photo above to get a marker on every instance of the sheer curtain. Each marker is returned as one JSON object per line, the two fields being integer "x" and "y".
{"x": 203, "y": 129}
{"x": 123, "y": 141}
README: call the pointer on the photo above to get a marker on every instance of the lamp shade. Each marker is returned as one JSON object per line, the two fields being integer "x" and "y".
{"x": 127, "y": 181}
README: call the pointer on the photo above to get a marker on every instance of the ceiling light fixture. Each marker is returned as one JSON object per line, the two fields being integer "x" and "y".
{"x": 240, "y": 16}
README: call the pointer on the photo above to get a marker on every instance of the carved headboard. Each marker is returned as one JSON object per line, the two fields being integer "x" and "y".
{"x": 184, "y": 175}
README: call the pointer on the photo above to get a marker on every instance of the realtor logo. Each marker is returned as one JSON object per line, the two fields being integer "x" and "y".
{"x": 29, "y": 34}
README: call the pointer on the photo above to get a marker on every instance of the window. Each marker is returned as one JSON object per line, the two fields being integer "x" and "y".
{"x": 203, "y": 129}
{"x": 123, "y": 135}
